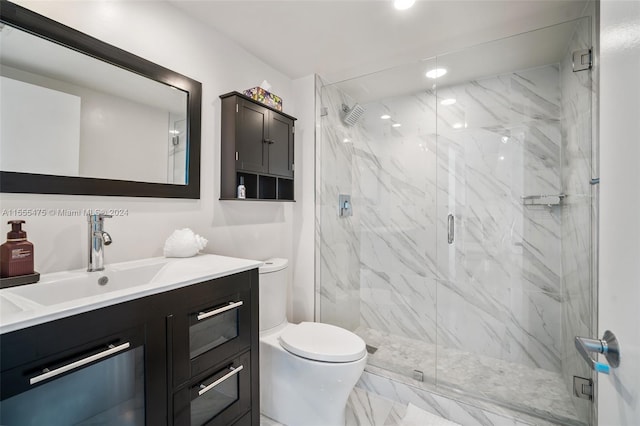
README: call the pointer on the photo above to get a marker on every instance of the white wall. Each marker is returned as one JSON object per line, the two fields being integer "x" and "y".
{"x": 51, "y": 147}
{"x": 113, "y": 129}
{"x": 619, "y": 280}
{"x": 302, "y": 295}
{"x": 162, "y": 34}
{"x": 116, "y": 130}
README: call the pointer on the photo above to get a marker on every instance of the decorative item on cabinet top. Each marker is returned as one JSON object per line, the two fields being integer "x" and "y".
{"x": 257, "y": 147}
{"x": 265, "y": 97}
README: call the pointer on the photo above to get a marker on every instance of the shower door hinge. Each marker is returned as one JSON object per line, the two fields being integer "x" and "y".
{"x": 582, "y": 60}
{"x": 583, "y": 388}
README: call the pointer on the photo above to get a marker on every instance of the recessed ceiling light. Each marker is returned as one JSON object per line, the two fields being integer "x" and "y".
{"x": 436, "y": 72}
{"x": 447, "y": 102}
{"x": 505, "y": 139}
{"x": 346, "y": 140}
{"x": 385, "y": 116}
{"x": 457, "y": 126}
{"x": 403, "y": 4}
{"x": 502, "y": 157}
{"x": 396, "y": 125}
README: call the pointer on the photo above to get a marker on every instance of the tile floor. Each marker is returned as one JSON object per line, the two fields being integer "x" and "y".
{"x": 533, "y": 390}
{"x": 364, "y": 409}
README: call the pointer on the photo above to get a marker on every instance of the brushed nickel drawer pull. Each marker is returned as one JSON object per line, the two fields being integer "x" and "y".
{"x": 231, "y": 305}
{"x": 84, "y": 361}
{"x": 204, "y": 389}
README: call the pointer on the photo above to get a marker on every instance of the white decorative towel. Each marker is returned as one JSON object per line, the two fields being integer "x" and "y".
{"x": 183, "y": 243}
{"x": 418, "y": 417}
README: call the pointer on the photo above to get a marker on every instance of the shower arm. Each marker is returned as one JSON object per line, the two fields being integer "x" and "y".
{"x": 608, "y": 346}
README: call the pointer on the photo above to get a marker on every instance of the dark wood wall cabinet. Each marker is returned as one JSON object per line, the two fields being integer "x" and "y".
{"x": 186, "y": 357}
{"x": 258, "y": 146}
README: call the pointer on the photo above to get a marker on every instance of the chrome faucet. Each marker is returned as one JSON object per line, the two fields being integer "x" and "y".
{"x": 98, "y": 238}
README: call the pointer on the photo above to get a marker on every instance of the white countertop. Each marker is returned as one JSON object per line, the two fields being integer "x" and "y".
{"x": 63, "y": 294}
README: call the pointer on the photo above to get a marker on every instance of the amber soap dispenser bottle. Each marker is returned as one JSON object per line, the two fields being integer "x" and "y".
{"x": 17, "y": 253}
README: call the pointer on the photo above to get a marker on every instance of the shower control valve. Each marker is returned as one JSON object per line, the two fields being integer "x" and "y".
{"x": 344, "y": 205}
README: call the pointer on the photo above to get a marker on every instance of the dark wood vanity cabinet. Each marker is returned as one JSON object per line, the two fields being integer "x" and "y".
{"x": 184, "y": 357}
{"x": 257, "y": 145}
{"x": 213, "y": 339}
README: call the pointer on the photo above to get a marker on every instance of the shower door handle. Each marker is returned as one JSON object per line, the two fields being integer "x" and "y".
{"x": 608, "y": 346}
{"x": 450, "y": 228}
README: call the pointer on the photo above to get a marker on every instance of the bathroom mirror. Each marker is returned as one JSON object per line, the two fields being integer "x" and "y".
{"x": 79, "y": 116}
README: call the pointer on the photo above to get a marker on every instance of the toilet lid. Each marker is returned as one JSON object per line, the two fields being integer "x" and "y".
{"x": 322, "y": 342}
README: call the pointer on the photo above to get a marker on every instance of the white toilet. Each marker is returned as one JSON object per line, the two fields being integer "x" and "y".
{"x": 307, "y": 370}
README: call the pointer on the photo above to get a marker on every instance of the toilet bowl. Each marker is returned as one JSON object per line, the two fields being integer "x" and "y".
{"x": 307, "y": 370}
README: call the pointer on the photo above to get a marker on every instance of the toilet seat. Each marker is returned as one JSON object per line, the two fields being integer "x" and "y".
{"x": 322, "y": 342}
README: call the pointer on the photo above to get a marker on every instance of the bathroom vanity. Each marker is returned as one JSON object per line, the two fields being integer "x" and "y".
{"x": 163, "y": 342}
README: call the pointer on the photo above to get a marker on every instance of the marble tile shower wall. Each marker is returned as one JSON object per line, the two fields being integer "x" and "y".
{"x": 337, "y": 239}
{"x": 498, "y": 287}
{"x": 497, "y": 290}
{"x": 577, "y": 90}
{"x": 397, "y": 191}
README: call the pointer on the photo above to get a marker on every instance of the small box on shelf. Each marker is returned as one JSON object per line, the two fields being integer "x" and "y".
{"x": 262, "y": 96}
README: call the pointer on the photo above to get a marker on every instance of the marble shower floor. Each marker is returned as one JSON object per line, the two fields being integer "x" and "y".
{"x": 534, "y": 391}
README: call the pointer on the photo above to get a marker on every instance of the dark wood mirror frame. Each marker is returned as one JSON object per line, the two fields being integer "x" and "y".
{"x": 41, "y": 26}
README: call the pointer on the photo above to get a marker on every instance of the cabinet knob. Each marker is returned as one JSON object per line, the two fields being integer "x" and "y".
{"x": 269, "y": 141}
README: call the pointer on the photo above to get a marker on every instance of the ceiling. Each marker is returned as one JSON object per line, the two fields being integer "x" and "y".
{"x": 347, "y": 38}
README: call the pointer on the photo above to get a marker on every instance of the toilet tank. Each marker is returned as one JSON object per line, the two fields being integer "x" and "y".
{"x": 273, "y": 293}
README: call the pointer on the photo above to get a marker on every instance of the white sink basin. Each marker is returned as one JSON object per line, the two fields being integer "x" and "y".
{"x": 79, "y": 285}
{"x": 9, "y": 307}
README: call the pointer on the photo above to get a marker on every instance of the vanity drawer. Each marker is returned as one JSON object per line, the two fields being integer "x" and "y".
{"x": 216, "y": 398}
{"x": 102, "y": 382}
{"x": 210, "y": 331}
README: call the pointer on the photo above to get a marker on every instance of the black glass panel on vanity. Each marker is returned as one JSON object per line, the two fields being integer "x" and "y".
{"x": 102, "y": 121}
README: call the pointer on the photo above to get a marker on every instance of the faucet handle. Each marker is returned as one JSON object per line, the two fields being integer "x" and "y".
{"x": 97, "y": 217}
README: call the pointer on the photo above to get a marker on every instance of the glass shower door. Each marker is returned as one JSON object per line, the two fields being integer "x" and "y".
{"x": 508, "y": 166}
{"x": 376, "y": 266}
{"x": 464, "y": 256}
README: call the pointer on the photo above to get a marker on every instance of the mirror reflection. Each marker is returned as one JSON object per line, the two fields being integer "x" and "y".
{"x": 65, "y": 113}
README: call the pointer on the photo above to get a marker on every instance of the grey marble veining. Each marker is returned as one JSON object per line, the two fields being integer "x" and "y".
{"x": 577, "y": 212}
{"x": 337, "y": 241}
{"x": 448, "y": 404}
{"x": 508, "y": 296}
{"x": 367, "y": 409}
{"x": 498, "y": 289}
{"x": 532, "y": 390}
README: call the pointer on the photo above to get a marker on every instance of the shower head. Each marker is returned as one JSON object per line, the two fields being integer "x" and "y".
{"x": 352, "y": 115}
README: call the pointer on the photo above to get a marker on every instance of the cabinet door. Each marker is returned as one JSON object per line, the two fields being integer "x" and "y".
{"x": 280, "y": 145}
{"x": 251, "y": 136}
{"x": 100, "y": 382}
